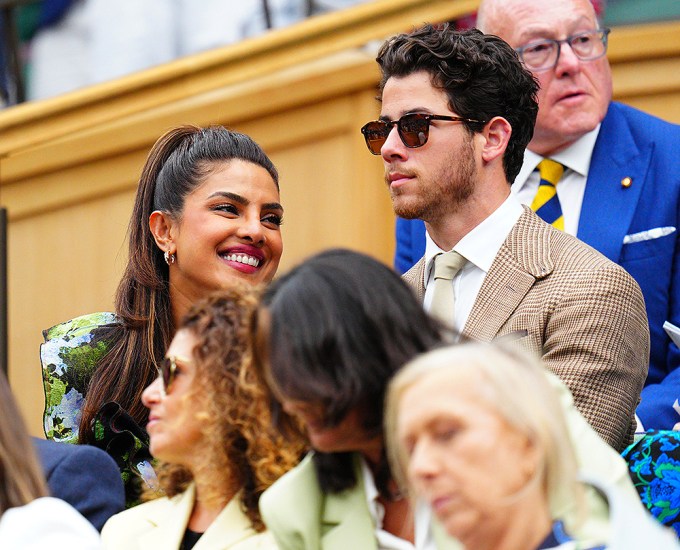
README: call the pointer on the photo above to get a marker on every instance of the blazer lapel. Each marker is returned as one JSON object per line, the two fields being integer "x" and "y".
{"x": 230, "y": 527}
{"x": 415, "y": 278}
{"x": 523, "y": 258}
{"x": 348, "y": 520}
{"x": 608, "y": 206}
{"x": 169, "y": 523}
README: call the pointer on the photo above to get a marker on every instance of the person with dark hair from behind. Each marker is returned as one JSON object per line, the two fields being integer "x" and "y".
{"x": 457, "y": 111}
{"x": 329, "y": 336}
{"x": 615, "y": 162}
{"x": 84, "y": 476}
{"x": 212, "y": 433}
{"x": 29, "y": 518}
{"x": 206, "y": 216}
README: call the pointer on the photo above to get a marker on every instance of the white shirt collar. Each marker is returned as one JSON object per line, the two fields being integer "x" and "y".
{"x": 575, "y": 157}
{"x": 481, "y": 245}
{"x": 423, "y": 517}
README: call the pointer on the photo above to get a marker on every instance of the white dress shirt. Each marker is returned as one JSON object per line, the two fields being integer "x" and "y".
{"x": 386, "y": 540}
{"x": 572, "y": 186}
{"x": 479, "y": 247}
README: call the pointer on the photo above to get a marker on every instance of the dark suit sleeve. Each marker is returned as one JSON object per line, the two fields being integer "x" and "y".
{"x": 410, "y": 247}
{"x": 85, "y": 477}
{"x": 656, "y": 265}
{"x": 645, "y": 148}
{"x": 660, "y": 405}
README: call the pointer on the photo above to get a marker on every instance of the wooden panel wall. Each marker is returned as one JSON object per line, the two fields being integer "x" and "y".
{"x": 69, "y": 166}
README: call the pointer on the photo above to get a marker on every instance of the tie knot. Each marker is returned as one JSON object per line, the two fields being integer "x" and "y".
{"x": 446, "y": 265}
{"x": 550, "y": 171}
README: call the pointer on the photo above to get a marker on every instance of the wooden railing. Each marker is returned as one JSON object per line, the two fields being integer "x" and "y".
{"x": 192, "y": 76}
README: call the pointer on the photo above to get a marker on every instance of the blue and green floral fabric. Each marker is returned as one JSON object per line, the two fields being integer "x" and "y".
{"x": 69, "y": 356}
{"x": 654, "y": 467}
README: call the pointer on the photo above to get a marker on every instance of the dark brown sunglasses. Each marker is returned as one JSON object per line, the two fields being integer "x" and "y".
{"x": 413, "y": 129}
{"x": 167, "y": 371}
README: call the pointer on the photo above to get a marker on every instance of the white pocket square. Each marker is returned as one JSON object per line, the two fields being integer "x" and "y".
{"x": 648, "y": 235}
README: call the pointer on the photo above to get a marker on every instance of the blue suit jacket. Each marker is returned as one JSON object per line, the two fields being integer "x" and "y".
{"x": 85, "y": 477}
{"x": 646, "y": 149}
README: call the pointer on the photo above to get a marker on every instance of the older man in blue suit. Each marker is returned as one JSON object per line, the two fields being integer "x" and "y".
{"x": 85, "y": 477}
{"x": 619, "y": 189}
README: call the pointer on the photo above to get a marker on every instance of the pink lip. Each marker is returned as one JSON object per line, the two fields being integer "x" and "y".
{"x": 398, "y": 179}
{"x": 573, "y": 96}
{"x": 439, "y": 504}
{"x": 153, "y": 420}
{"x": 243, "y": 249}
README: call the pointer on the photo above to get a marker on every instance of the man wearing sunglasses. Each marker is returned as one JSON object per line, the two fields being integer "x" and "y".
{"x": 620, "y": 188}
{"x": 457, "y": 111}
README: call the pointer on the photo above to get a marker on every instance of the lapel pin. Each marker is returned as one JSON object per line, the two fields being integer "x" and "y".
{"x": 626, "y": 182}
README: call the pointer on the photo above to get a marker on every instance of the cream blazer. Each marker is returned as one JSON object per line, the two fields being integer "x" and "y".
{"x": 302, "y": 517}
{"x": 161, "y": 523}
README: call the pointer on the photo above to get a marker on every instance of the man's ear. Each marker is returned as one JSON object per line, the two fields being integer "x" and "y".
{"x": 496, "y": 134}
{"x": 162, "y": 225}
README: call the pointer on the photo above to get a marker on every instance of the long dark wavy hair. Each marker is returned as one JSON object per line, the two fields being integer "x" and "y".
{"x": 177, "y": 164}
{"x": 333, "y": 331}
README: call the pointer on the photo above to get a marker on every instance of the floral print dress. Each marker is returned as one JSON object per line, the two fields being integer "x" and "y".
{"x": 69, "y": 356}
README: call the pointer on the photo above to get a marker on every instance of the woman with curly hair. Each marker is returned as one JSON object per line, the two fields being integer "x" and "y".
{"x": 210, "y": 429}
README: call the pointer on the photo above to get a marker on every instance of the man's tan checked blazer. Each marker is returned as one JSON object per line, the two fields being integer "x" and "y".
{"x": 583, "y": 313}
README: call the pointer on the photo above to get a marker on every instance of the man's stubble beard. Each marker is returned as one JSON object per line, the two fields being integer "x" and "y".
{"x": 444, "y": 192}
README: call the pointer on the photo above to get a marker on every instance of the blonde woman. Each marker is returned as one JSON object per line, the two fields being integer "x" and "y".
{"x": 478, "y": 433}
{"x": 209, "y": 427}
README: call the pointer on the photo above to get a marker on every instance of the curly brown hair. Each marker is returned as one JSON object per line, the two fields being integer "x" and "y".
{"x": 242, "y": 449}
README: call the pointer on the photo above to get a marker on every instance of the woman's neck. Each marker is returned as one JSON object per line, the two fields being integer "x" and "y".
{"x": 204, "y": 513}
{"x": 528, "y": 523}
{"x": 202, "y": 517}
{"x": 179, "y": 304}
{"x": 398, "y": 518}
{"x": 373, "y": 454}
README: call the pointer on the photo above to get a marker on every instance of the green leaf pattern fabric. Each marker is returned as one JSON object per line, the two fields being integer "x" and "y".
{"x": 69, "y": 356}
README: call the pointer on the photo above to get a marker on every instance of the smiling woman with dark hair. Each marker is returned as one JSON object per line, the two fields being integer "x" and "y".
{"x": 207, "y": 215}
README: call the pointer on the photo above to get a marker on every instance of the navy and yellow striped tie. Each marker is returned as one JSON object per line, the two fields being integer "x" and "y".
{"x": 546, "y": 204}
